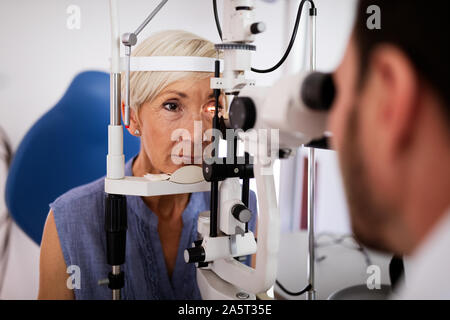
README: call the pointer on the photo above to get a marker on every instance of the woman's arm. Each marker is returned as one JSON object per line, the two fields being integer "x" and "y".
{"x": 52, "y": 273}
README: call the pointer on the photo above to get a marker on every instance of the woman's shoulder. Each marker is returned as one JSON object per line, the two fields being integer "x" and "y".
{"x": 80, "y": 208}
{"x": 79, "y": 220}
{"x": 82, "y": 196}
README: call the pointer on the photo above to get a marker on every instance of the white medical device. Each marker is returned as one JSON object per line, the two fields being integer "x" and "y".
{"x": 223, "y": 231}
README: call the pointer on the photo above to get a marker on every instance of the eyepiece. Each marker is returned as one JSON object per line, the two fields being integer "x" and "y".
{"x": 318, "y": 91}
{"x": 242, "y": 113}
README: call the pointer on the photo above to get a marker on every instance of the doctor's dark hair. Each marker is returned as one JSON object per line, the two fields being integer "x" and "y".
{"x": 419, "y": 29}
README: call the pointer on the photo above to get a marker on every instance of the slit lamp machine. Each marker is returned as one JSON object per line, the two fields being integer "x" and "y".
{"x": 296, "y": 107}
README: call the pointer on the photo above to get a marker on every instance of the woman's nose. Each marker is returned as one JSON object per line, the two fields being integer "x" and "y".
{"x": 195, "y": 127}
{"x": 197, "y": 122}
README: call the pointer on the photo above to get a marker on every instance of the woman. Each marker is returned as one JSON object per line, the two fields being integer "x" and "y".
{"x": 160, "y": 227}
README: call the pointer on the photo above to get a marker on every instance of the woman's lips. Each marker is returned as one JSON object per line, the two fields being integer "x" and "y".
{"x": 187, "y": 159}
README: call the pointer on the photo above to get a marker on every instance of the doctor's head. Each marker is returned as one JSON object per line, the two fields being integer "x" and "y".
{"x": 391, "y": 122}
{"x": 170, "y": 111}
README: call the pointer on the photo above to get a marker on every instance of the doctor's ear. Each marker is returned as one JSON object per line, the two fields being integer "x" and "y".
{"x": 134, "y": 128}
{"x": 398, "y": 97}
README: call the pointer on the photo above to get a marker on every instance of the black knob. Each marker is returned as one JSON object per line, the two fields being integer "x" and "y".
{"x": 194, "y": 254}
{"x": 318, "y": 91}
{"x": 257, "y": 27}
{"x": 241, "y": 213}
{"x": 242, "y": 113}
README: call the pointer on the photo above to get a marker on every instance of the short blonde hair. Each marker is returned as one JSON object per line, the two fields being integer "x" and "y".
{"x": 146, "y": 85}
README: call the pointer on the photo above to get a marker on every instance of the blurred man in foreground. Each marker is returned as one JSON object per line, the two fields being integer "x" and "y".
{"x": 391, "y": 128}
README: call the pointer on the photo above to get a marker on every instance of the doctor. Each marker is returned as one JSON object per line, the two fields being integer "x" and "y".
{"x": 391, "y": 126}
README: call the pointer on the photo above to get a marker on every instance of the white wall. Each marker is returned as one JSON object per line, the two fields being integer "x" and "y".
{"x": 40, "y": 56}
{"x": 334, "y": 24}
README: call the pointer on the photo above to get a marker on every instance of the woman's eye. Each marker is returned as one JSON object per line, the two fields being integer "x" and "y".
{"x": 171, "y": 106}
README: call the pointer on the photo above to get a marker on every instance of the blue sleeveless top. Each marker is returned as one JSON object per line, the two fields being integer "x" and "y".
{"x": 79, "y": 219}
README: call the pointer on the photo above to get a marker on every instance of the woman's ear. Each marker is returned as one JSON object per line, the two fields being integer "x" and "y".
{"x": 133, "y": 128}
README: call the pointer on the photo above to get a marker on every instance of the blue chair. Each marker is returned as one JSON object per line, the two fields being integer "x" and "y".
{"x": 65, "y": 148}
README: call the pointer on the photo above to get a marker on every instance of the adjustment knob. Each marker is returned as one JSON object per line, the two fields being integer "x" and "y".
{"x": 194, "y": 255}
{"x": 257, "y": 27}
{"x": 241, "y": 213}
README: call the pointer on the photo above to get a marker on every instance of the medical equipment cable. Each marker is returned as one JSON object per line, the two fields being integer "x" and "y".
{"x": 216, "y": 18}
{"x": 341, "y": 241}
{"x": 308, "y": 287}
{"x": 291, "y": 42}
{"x": 334, "y": 241}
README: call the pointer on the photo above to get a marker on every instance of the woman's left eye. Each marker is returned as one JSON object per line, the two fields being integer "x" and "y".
{"x": 171, "y": 106}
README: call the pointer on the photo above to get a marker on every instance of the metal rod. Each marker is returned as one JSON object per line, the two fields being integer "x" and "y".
{"x": 150, "y": 17}
{"x": 214, "y": 202}
{"x": 126, "y": 116}
{"x": 115, "y": 100}
{"x": 116, "y": 292}
{"x": 311, "y": 293}
{"x": 311, "y": 253}
{"x": 246, "y": 187}
{"x": 313, "y": 43}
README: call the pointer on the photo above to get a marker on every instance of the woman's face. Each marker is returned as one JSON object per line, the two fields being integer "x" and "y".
{"x": 173, "y": 124}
